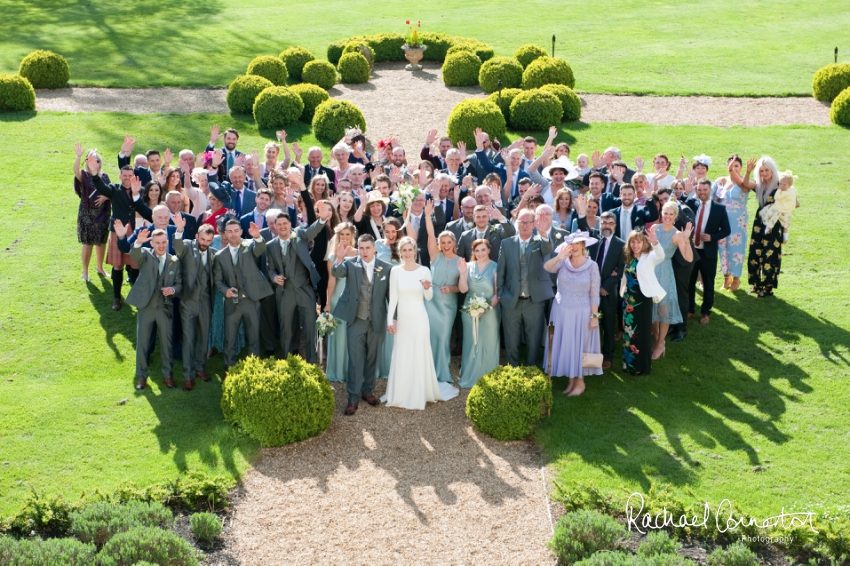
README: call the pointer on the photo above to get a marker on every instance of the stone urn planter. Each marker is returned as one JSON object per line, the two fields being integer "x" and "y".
{"x": 413, "y": 55}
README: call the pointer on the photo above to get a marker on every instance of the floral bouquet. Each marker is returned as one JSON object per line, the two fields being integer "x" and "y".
{"x": 326, "y": 324}
{"x": 475, "y": 307}
{"x": 407, "y": 193}
{"x": 411, "y": 40}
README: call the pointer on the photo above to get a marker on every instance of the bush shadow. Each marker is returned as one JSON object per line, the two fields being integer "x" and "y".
{"x": 20, "y": 116}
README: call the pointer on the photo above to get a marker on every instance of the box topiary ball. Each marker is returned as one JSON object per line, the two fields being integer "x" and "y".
{"x": 475, "y": 113}
{"x": 508, "y": 95}
{"x": 829, "y": 81}
{"x": 295, "y": 58}
{"x": 45, "y": 69}
{"x": 839, "y": 112}
{"x": 507, "y": 69}
{"x": 547, "y": 70}
{"x": 334, "y": 51}
{"x": 243, "y": 91}
{"x": 355, "y": 47}
{"x": 16, "y": 94}
{"x": 269, "y": 67}
{"x": 536, "y": 110}
{"x": 319, "y": 73}
{"x": 333, "y": 116}
{"x": 461, "y": 68}
{"x": 311, "y": 95}
{"x": 570, "y": 101}
{"x": 527, "y": 53}
{"x": 152, "y": 544}
{"x": 276, "y": 107}
{"x": 482, "y": 50}
{"x": 507, "y": 402}
{"x": 353, "y": 68}
{"x": 278, "y": 402}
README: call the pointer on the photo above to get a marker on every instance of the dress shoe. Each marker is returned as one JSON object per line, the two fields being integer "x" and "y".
{"x": 680, "y": 335}
{"x": 618, "y": 336}
{"x": 606, "y": 365}
{"x": 116, "y": 304}
{"x": 141, "y": 384}
{"x": 672, "y": 330}
{"x": 703, "y": 319}
{"x": 189, "y": 385}
{"x": 690, "y": 315}
{"x": 169, "y": 383}
{"x": 203, "y": 375}
{"x": 351, "y": 409}
{"x": 371, "y": 399}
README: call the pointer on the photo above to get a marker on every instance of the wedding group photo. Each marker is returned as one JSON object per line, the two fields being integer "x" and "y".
{"x": 424, "y": 289}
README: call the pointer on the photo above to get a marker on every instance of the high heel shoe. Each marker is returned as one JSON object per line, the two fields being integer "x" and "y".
{"x": 85, "y": 278}
{"x": 656, "y": 354}
{"x": 736, "y": 282}
{"x": 727, "y": 282}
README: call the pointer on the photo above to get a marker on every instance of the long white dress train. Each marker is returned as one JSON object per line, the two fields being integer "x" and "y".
{"x": 412, "y": 380}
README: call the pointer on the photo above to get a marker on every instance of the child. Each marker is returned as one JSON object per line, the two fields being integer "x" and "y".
{"x": 783, "y": 205}
{"x": 583, "y": 164}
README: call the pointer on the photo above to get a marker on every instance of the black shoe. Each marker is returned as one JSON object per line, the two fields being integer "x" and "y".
{"x": 680, "y": 335}
{"x": 672, "y": 330}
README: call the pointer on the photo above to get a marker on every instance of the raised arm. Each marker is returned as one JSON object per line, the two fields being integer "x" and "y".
{"x": 433, "y": 245}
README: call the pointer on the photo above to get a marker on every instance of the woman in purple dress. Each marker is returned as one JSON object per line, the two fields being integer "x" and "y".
{"x": 575, "y": 311}
{"x": 93, "y": 214}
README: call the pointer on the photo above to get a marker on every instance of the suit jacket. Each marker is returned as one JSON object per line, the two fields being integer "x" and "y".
{"x": 246, "y": 220}
{"x": 125, "y": 244}
{"x": 249, "y": 197}
{"x": 458, "y": 227}
{"x": 124, "y": 208}
{"x": 346, "y": 307}
{"x": 458, "y": 176}
{"x": 556, "y": 236}
{"x": 641, "y": 215}
{"x": 436, "y": 161}
{"x": 144, "y": 174}
{"x": 193, "y": 269}
{"x": 308, "y": 175}
{"x": 685, "y": 215}
{"x": 443, "y": 215}
{"x": 509, "y": 282}
{"x": 253, "y": 283}
{"x": 495, "y": 233}
{"x": 475, "y": 167}
{"x": 148, "y": 282}
{"x": 717, "y": 226}
{"x": 607, "y": 202}
{"x": 615, "y": 259}
{"x": 439, "y": 221}
{"x": 191, "y": 228}
{"x": 274, "y": 256}
{"x": 499, "y": 169}
{"x": 222, "y": 174}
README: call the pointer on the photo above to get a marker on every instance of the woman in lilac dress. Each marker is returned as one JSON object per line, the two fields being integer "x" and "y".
{"x": 574, "y": 311}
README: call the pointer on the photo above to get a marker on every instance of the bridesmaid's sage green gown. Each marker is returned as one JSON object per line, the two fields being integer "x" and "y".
{"x": 442, "y": 310}
{"x": 483, "y": 357}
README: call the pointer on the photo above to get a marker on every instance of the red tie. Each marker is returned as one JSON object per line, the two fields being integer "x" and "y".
{"x": 698, "y": 233}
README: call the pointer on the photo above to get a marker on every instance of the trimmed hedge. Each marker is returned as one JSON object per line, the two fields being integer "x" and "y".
{"x": 354, "y": 68}
{"x": 333, "y": 116}
{"x": 507, "y": 69}
{"x": 507, "y": 402}
{"x": 461, "y": 68}
{"x": 527, "y": 53}
{"x": 386, "y": 47}
{"x": 839, "y": 112}
{"x": 272, "y": 68}
{"x": 536, "y": 110}
{"x": 311, "y": 95}
{"x": 320, "y": 73}
{"x": 295, "y": 58}
{"x": 829, "y": 81}
{"x": 45, "y": 69}
{"x": 508, "y": 95}
{"x": 570, "y": 101}
{"x": 50, "y": 552}
{"x": 354, "y": 47}
{"x": 475, "y": 113}
{"x": 276, "y": 107}
{"x": 278, "y": 402}
{"x": 438, "y": 44}
{"x": 16, "y": 93}
{"x": 547, "y": 70}
{"x": 243, "y": 91}
{"x": 147, "y": 544}
{"x": 482, "y": 50}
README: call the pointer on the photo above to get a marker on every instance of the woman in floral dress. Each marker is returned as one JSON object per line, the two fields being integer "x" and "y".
{"x": 733, "y": 192}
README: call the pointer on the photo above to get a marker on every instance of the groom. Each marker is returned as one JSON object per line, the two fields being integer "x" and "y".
{"x": 363, "y": 305}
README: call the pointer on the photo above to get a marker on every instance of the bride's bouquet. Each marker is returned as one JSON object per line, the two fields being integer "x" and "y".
{"x": 407, "y": 193}
{"x": 475, "y": 307}
{"x": 326, "y": 324}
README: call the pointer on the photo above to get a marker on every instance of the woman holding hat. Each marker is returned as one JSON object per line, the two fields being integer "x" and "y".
{"x": 561, "y": 170}
{"x": 575, "y": 311}
{"x": 369, "y": 217}
{"x": 639, "y": 288}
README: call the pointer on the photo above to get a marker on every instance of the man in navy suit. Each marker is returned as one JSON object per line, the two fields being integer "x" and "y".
{"x": 314, "y": 167}
{"x": 231, "y": 156}
{"x": 607, "y": 201}
{"x": 145, "y": 174}
{"x": 712, "y": 225}
{"x": 258, "y": 216}
{"x": 630, "y": 215}
{"x": 515, "y": 158}
{"x": 242, "y": 199}
{"x": 174, "y": 202}
{"x": 417, "y": 224}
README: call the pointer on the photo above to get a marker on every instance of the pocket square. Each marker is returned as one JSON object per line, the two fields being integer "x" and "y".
{"x": 384, "y": 278}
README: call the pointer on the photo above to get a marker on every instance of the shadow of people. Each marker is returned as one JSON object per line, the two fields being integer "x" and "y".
{"x": 114, "y": 323}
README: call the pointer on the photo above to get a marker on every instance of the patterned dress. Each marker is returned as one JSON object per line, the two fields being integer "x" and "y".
{"x": 92, "y": 220}
{"x": 637, "y": 324}
{"x": 765, "y": 251}
{"x": 667, "y": 311}
{"x": 733, "y": 247}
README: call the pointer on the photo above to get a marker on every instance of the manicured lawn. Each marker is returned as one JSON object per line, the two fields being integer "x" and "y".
{"x": 723, "y": 47}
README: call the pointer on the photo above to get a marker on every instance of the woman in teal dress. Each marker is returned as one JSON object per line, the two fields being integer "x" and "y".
{"x": 733, "y": 192}
{"x": 337, "y": 362}
{"x": 216, "y": 341}
{"x": 478, "y": 278}
{"x": 442, "y": 308}
{"x": 387, "y": 250}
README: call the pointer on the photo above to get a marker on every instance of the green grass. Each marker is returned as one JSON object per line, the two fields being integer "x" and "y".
{"x": 67, "y": 360}
{"x": 725, "y": 47}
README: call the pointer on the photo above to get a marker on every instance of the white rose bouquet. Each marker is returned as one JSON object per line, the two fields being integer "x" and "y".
{"x": 475, "y": 307}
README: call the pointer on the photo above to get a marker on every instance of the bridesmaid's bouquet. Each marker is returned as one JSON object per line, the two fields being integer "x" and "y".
{"x": 475, "y": 307}
{"x": 406, "y": 195}
{"x": 325, "y": 324}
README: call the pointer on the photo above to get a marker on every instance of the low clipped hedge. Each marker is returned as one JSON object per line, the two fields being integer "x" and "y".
{"x": 507, "y": 69}
{"x": 829, "y": 81}
{"x": 333, "y": 116}
{"x": 321, "y": 73}
{"x": 272, "y": 68}
{"x": 276, "y": 107}
{"x": 461, "y": 68}
{"x": 16, "y": 94}
{"x": 311, "y": 95}
{"x": 148, "y": 544}
{"x": 527, "y": 53}
{"x": 295, "y": 58}
{"x": 45, "y": 69}
{"x": 581, "y": 533}
{"x": 570, "y": 101}
{"x": 839, "y": 112}
{"x": 507, "y": 402}
{"x": 548, "y": 70}
{"x": 50, "y": 552}
{"x": 244, "y": 90}
{"x": 354, "y": 47}
{"x": 504, "y": 102}
{"x": 385, "y": 46}
{"x": 475, "y": 113}
{"x": 438, "y": 44}
{"x": 482, "y": 50}
{"x": 353, "y": 68}
{"x": 99, "y": 521}
{"x": 278, "y": 402}
{"x": 536, "y": 110}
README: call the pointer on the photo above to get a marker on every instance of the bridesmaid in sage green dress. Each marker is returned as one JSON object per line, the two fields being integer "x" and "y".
{"x": 345, "y": 233}
{"x": 478, "y": 277}
{"x": 442, "y": 308}
{"x": 387, "y": 250}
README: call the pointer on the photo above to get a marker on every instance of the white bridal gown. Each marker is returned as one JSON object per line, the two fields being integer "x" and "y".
{"x": 412, "y": 380}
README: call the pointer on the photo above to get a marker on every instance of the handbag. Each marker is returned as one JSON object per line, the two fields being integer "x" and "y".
{"x": 588, "y": 359}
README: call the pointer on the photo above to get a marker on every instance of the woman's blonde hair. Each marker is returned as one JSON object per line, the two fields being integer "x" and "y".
{"x": 342, "y": 226}
{"x": 645, "y": 245}
{"x": 672, "y": 205}
{"x": 447, "y": 234}
{"x": 405, "y": 241}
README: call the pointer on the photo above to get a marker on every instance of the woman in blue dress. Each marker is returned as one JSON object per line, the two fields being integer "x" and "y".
{"x": 733, "y": 192}
{"x": 387, "y": 250}
{"x": 337, "y": 364}
{"x": 666, "y": 312}
{"x": 481, "y": 348}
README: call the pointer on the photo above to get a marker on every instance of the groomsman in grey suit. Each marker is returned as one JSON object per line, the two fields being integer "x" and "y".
{"x": 243, "y": 285}
{"x": 524, "y": 287}
{"x": 363, "y": 305}
{"x": 489, "y": 224}
{"x": 294, "y": 278}
{"x": 160, "y": 278}
{"x": 196, "y": 299}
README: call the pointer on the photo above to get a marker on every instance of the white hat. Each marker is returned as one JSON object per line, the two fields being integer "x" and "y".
{"x": 565, "y": 164}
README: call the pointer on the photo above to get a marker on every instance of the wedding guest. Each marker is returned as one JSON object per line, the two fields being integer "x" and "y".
{"x": 488, "y": 224}
{"x": 783, "y": 205}
{"x": 280, "y": 187}
{"x": 588, "y": 207}
{"x": 608, "y": 255}
{"x": 369, "y": 217}
{"x": 733, "y": 192}
{"x": 216, "y": 337}
{"x": 666, "y": 312}
{"x": 272, "y": 152}
{"x": 639, "y": 289}
{"x": 345, "y": 207}
{"x": 415, "y": 223}
{"x": 258, "y": 216}
{"x": 564, "y": 215}
{"x": 197, "y": 195}
{"x": 229, "y": 153}
{"x": 314, "y": 168}
{"x": 465, "y": 222}
{"x": 173, "y": 182}
{"x": 631, "y": 216}
{"x": 241, "y": 198}
{"x": 93, "y": 212}
{"x": 174, "y": 202}
{"x": 152, "y": 196}
{"x": 337, "y": 364}
{"x": 218, "y": 199}
{"x": 387, "y": 251}
{"x": 661, "y": 175}
{"x": 341, "y": 152}
{"x": 319, "y": 252}
{"x": 575, "y": 311}
{"x": 480, "y": 345}
{"x": 765, "y": 255}
{"x": 437, "y": 159}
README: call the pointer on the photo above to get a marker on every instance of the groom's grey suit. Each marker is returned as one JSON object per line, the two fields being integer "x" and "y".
{"x": 366, "y": 326}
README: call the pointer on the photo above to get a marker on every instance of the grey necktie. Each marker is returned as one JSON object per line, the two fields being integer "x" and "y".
{"x": 234, "y": 253}
{"x": 285, "y": 244}
{"x": 161, "y": 264}
{"x": 522, "y": 246}
{"x": 204, "y": 258}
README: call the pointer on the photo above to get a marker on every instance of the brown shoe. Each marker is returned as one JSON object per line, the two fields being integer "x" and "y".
{"x": 606, "y": 365}
{"x": 141, "y": 384}
{"x": 371, "y": 399}
{"x": 116, "y": 304}
{"x": 618, "y": 336}
{"x": 169, "y": 382}
{"x": 703, "y": 319}
{"x": 189, "y": 385}
{"x": 690, "y": 315}
{"x": 203, "y": 375}
{"x": 351, "y": 409}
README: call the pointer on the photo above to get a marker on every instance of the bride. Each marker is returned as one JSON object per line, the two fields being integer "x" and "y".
{"x": 412, "y": 380}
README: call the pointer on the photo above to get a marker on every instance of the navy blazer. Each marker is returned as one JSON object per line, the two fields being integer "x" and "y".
{"x": 488, "y": 166}
{"x": 246, "y": 220}
{"x": 222, "y": 173}
{"x": 248, "y": 198}
{"x": 717, "y": 226}
{"x": 125, "y": 244}
{"x": 124, "y": 208}
{"x": 641, "y": 215}
{"x": 191, "y": 228}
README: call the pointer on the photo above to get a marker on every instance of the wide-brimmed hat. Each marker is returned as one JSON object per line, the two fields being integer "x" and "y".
{"x": 562, "y": 163}
{"x": 375, "y": 196}
{"x": 220, "y": 193}
{"x": 580, "y": 236}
